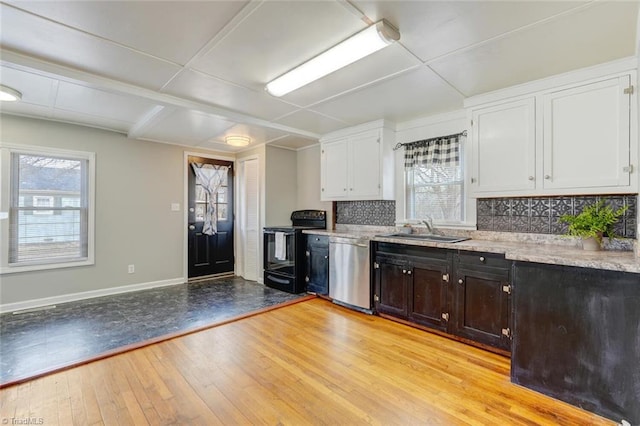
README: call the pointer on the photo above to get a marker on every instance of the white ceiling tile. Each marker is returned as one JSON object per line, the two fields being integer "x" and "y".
{"x": 432, "y": 28}
{"x": 73, "y": 97}
{"x": 35, "y": 36}
{"x": 195, "y": 85}
{"x": 91, "y": 120}
{"x": 276, "y": 37}
{"x": 390, "y": 60}
{"x": 313, "y": 122}
{"x": 186, "y": 127}
{"x": 293, "y": 142}
{"x": 220, "y": 146}
{"x": 415, "y": 93}
{"x": 35, "y": 89}
{"x": 155, "y": 27}
{"x": 600, "y": 33}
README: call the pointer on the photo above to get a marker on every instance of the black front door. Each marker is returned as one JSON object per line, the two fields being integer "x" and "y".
{"x": 210, "y": 254}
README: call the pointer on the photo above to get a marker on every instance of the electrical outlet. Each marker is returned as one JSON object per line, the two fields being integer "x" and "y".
{"x": 131, "y": 269}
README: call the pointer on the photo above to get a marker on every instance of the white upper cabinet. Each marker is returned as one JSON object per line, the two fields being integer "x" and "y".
{"x": 334, "y": 178}
{"x": 365, "y": 180}
{"x": 503, "y": 147}
{"x": 357, "y": 166}
{"x": 586, "y": 136}
{"x": 571, "y": 138}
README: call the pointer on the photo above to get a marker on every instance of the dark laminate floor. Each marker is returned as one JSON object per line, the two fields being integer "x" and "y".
{"x": 31, "y": 343}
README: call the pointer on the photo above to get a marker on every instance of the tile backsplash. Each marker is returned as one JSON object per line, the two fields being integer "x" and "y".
{"x": 540, "y": 214}
{"x": 378, "y": 213}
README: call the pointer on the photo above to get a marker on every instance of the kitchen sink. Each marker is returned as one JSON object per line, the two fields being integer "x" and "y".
{"x": 427, "y": 237}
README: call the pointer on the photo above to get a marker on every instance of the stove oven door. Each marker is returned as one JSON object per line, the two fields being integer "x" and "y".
{"x": 280, "y": 259}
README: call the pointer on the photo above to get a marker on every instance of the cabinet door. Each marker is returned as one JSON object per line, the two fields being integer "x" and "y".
{"x": 317, "y": 274}
{"x": 586, "y": 136}
{"x": 334, "y": 167}
{"x": 428, "y": 295}
{"x": 482, "y": 312}
{"x": 364, "y": 166}
{"x": 390, "y": 286}
{"x": 503, "y": 147}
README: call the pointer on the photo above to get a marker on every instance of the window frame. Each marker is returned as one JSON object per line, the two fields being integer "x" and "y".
{"x": 409, "y": 201}
{"x": 7, "y": 177}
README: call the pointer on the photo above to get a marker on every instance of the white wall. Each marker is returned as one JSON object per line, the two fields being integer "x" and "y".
{"x": 281, "y": 186}
{"x": 308, "y": 178}
{"x": 136, "y": 182}
{"x": 425, "y": 128}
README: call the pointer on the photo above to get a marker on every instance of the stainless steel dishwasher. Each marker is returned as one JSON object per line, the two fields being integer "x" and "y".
{"x": 349, "y": 272}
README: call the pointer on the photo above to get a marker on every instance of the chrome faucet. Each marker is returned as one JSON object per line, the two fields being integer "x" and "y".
{"x": 429, "y": 224}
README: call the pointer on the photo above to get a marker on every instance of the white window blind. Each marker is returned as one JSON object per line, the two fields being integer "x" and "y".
{"x": 435, "y": 191}
{"x": 48, "y": 209}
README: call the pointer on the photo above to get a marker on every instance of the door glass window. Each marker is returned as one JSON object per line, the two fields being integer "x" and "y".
{"x": 221, "y": 200}
{"x": 202, "y": 198}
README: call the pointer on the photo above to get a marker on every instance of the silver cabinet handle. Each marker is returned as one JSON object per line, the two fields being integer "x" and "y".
{"x": 409, "y": 272}
{"x": 482, "y": 259}
{"x": 460, "y": 281}
{"x": 531, "y": 178}
{"x": 547, "y": 177}
{"x": 192, "y": 227}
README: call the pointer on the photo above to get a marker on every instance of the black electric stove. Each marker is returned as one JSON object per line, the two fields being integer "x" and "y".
{"x": 284, "y": 250}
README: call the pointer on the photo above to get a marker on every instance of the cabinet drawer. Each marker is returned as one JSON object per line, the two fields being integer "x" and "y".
{"x": 318, "y": 240}
{"x": 413, "y": 251}
{"x": 492, "y": 260}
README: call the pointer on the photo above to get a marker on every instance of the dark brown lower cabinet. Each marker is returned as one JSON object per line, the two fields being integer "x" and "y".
{"x": 458, "y": 294}
{"x": 577, "y": 337}
{"x": 390, "y": 286}
{"x": 317, "y": 265}
{"x": 409, "y": 283}
{"x": 482, "y": 301}
{"x": 428, "y": 295}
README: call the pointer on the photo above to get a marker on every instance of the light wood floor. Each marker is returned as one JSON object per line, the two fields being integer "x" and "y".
{"x": 308, "y": 363}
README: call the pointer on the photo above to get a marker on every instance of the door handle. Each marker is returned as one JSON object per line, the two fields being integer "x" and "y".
{"x": 192, "y": 227}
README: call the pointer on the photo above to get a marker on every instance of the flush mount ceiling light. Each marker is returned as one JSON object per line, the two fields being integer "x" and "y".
{"x": 237, "y": 140}
{"x": 8, "y": 94}
{"x": 356, "y": 47}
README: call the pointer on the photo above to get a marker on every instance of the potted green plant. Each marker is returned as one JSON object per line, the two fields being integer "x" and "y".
{"x": 595, "y": 222}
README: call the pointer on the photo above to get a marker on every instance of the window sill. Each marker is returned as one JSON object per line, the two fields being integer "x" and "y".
{"x": 17, "y": 268}
{"x": 439, "y": 225}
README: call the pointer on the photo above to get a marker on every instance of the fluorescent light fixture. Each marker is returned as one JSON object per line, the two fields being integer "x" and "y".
{"x": 362, "y": 44}
{"x": 237, "y": 140}
{"x": 8, "y": 94}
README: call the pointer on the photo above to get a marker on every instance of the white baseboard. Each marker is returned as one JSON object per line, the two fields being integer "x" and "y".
{"x": 46, "y": 301}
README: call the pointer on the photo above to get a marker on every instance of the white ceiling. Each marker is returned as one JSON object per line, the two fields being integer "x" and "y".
{"x": 191, "y": 73}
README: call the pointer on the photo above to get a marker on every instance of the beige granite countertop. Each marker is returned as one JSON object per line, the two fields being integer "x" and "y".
{"x": 538, "y": 249}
